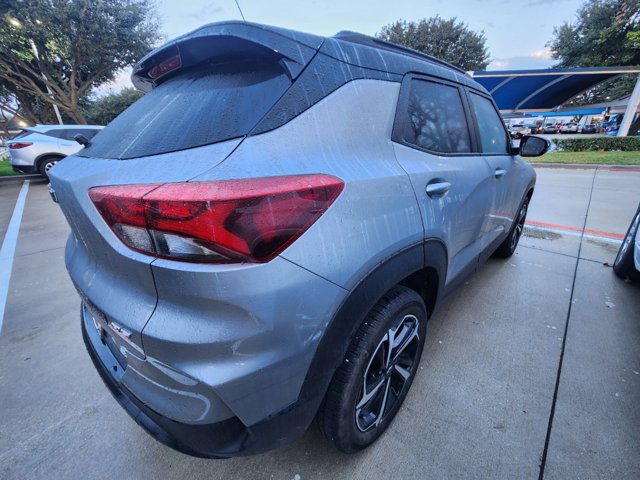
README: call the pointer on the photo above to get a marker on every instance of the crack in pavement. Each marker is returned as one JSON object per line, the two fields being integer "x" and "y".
{"x": 543, "y": 460}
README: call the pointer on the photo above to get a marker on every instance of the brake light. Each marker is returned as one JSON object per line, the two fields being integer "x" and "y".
{"x": 17, "y": 145}
{"x": 247, "y": 220}
{"x": 165, "y": 67}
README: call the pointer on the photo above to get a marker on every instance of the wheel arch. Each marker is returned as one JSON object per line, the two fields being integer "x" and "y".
{"x": 42, "y": 157}
{"x": 421, "y": 267}
{"x": 530, "y": 190}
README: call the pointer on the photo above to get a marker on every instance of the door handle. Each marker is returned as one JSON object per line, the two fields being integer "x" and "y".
{"x": 438, "y": 188}
{"x": 500, "y": 172}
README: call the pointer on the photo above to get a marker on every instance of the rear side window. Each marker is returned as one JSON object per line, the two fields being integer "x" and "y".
{"x": 56, "y": 133}
{"x": 436, "y": 119}
{"x": 70, "y": 133}
{"x": 195, "y": 108}
{"x": 493, "y": 138}
{"x": 89, "y": 132}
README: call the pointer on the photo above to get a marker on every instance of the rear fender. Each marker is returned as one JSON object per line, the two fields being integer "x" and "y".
{"x": 351, "y": 314}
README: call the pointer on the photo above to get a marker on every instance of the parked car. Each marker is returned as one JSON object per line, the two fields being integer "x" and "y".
{"x": 588, "y": 128}
{"x": 519, "y": 131}
{"x": 627, "y": 262}
{"x": 534, "y": 128}
{"x": 569, "y": 128}
{"x": 277, "y": 261}
{"x": 612, "y": 131}
{"x": 37, "y": 149}
{"x": 549, "y": 128}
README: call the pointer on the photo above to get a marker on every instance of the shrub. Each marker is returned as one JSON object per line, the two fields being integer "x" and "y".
{"x": 624, "y": 144}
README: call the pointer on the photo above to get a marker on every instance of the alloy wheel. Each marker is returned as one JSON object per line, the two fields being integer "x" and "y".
{"x": 49, "y": 165}
{"x": 387, "y": 373}
{"x": 517, "y": 231}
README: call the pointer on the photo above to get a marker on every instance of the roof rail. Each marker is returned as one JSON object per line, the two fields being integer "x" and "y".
{"x": 361, "y": 39}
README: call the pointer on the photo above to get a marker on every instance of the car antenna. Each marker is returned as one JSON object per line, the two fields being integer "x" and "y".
{"x": 240, "y": 10}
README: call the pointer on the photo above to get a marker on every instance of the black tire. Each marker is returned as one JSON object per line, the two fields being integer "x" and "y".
{"x": 347, "y": 419}
{"x": 624, "y": 265}
{"x": 508, "y": 246}
{"x": 45, "y": 164}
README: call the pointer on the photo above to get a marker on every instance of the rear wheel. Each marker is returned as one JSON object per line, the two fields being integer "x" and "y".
{"x": 510, "y": 243}
{"x": 624, "y": 265}
{"x": 369, "y": 387}
{"x": 47, "y": 164}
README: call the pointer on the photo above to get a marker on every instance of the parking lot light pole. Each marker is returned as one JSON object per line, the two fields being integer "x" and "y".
{"x": 16, "y": 23}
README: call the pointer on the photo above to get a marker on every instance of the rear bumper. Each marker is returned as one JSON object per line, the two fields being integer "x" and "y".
{"x": 227, "y": 438}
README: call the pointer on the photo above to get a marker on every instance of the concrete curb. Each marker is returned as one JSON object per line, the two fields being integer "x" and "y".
{"x": 578, "y": 166}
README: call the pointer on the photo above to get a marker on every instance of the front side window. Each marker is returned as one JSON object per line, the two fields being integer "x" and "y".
{"x": 90, "y": 133}
{"x": 493, "y": 138}
{"x": 72, "y": 132}
{"x": 436, "y": 118}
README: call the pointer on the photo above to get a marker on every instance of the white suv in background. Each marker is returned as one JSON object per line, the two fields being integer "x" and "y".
{"x": 37, "y": 149}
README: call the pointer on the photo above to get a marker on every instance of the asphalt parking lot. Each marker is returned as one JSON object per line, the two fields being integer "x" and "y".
{"x": 551, "y": 333}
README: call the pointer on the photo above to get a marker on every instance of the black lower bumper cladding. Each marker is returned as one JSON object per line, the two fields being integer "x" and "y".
{"x": 224, "y": 439}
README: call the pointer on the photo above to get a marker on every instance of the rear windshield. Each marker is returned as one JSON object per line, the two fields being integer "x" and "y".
{"x": 195, "y": 108}
{"x": 20, "y": 134}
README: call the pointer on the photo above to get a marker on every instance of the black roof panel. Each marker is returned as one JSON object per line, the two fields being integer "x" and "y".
{"x": 297, "y": 49}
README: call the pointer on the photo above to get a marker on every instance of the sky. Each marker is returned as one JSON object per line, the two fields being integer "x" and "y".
{"x": 516, "y": 30}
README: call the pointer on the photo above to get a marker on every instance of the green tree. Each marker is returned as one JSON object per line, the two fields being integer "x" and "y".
{"x": 108, "y": 107}
{"x": 447, "y": 40}
{"x": 80, "y": 44}
{"x": 605, "y": 33}
{"x": 25, "y": 105}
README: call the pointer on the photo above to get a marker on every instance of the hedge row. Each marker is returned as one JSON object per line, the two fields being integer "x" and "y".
{"x": 625, "y": 144}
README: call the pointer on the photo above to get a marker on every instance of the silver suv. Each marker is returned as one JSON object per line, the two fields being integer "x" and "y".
{"x": 37, "y": 149}
{"x": 260, "y": 239}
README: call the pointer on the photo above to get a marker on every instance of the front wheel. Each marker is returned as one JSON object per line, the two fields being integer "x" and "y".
{"x": 624, "y": 265}
{"x": 369, "y": 387}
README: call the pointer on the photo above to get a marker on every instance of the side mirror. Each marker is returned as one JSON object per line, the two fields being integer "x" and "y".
{"x": 81, "y": 139}
{"x": 531, "y": 146}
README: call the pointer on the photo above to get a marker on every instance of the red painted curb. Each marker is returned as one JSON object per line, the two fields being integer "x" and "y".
{"x": 555, "y": 226}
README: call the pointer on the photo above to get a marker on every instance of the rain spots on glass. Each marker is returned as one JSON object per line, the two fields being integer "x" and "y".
{"x": 199, "y": 107}
{"x": 493, "y": 137}
{"x": 436, "y": 118}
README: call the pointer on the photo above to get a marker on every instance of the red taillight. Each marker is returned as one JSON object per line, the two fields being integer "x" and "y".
{"x": 17, "y": 145}
{"x": 248, "y": 220}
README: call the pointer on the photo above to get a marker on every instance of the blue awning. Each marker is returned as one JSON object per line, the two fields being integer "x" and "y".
{"x": 527, "y": 90}
{"x": 569, "y": 113}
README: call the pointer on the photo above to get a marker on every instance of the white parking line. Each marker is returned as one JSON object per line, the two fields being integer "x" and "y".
{"x": 9, "y": 248}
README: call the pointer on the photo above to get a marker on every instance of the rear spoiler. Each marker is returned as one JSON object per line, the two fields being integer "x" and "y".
{"x": 222, "y": 41}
